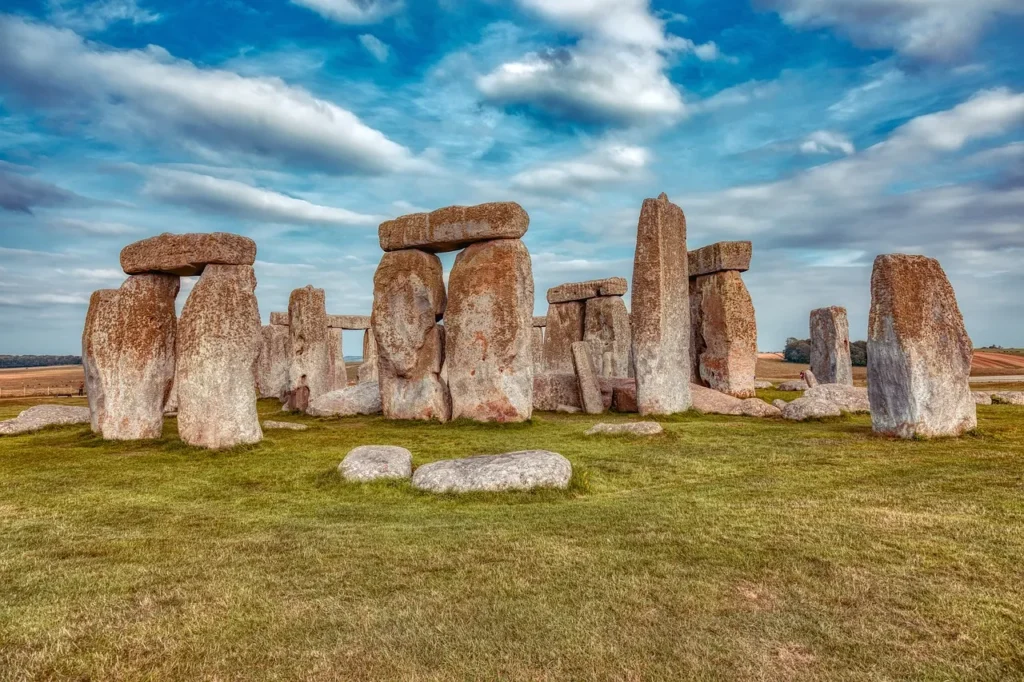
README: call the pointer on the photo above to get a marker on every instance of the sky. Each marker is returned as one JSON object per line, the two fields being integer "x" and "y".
{"x": 824, "y": 131}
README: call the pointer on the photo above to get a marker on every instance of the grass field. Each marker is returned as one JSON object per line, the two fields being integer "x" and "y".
{"x": 727, "y": 548}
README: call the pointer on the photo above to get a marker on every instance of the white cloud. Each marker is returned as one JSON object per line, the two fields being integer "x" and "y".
{"x": 826, "y": 142}
{"x": 207, "y": 193}
{"x": 375, "y": 46}
{"x": 925, "y": 29}
{"x": 609, "y": 164}
{"x": 94, "y": 226}
{"x": 149, "y": 92}
{"x": 353, "y": 11}
{"x": 629, "y": 22}
{"x": 86, "y": 17}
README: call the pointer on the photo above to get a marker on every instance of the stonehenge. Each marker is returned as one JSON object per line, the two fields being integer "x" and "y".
{"x": 830, "y": 346}
{"x": 919, "y": 354}
{"x": 274, "y": 360}
{"x": 310, "y": 373}
{"x": 591, "y": 311}
{"x": 723, "y": 330}
{"x": 276, "y": 353}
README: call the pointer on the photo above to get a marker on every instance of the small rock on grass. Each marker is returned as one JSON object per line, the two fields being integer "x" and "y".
{"x": 524, "y": 470}
{"x": 982, "y": 398}
{"x": 374, "y": 462}
{"x": 40, "y": 416}
{"x": 289, "y": 426}
{"x": 631, "y": 428}
{"x": 1008, "y": 398}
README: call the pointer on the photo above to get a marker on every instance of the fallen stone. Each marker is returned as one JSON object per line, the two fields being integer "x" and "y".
{"x": 41, "y": 416}
{"x": 351, "y": 322}
{"x": 919, "y": 354}
{"x": 99, "y": 320}
{"x": 763, "y": 384}
{"x": 274, "y": 361}
{"x": 454, "y": 227}
{"x": 581, "y": 291}
{"x": 568, "y": 409}
{"x": 363, "y": 398}
{"x": 218, "y": 344}
{"x": 408, "y": 300}
{"x": 607, "y": 330}
{"x": 1008, "y": 398}
{"x": 489, "y": 332}
{"x": 376, "y": 462}
{"x": 723, "y": 336}
{"x": 525, "y": 470}
{"x": 590, "y": 391}
{"x": 810, "y": 408}
{"x": 661, "y": 315}
{"x": 269, "y": 425}
{"x": 830, "y": 346}
{"x": 710, "y": 401}
{"x": 793, "y": 385}
{"x": 187, "y": 255}
{"x": 846, "y": 398}
{"x": 982, "y": 398}
{"x": 631, "y": 428}
{"x": 755, "y": 407}
{"x": 565, "y": 327}
{"x": 310, "y": 373}
{"x": 779, "y": 403}
{"x": 809, "y": 378}
{"x": 720, "y": 257}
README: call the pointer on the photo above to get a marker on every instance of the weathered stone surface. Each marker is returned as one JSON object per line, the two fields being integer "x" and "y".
{"x": 1008, "y": 398}
{"x": 454, "y": 227}
{"x": 630, "y": 429}
{"x": 846, "y": 398}
{"x": 624, "y": 398}
{"x": 607, "y": 330}
{"x": 809, "y": 378}
{"x": 375, "y": 462}
{"x": 755, "y": 407}
{"x": 830, "y": 346}
{"x": 270, "y": 425}
{"x": 310, "y": 373}
{"x": 793, "y": 385}
{"x": 275, "y": 358}
{"x": 488, "y": 330}
{"x": 779, "y": 403}
{"x": 720, "y": 257}
{"x": 99, "y": 320}
{"x": 763, "y": 384}
{"x": 919, "y": 354}
{"x": 540, "y": 321}
{"x": 41, "y": 416}
{"x": 552, "y": 389}
{"x": 982, "y": 398}
{"x": 186, "y": 255}
{"x": 810, "y": 408}
{"x": 368, "y": 369}
{"x": 353, "y": 322}
{"x": 362, "y": 398}
{"x": 710, "y": 401}
{"x": 565, "y": 327}
{"x": 581, "y": 291}
{"x": 661, "y": 316}
{"x": 218, "y": 344}
{"x": 723, "y": 336}
{"x": 537, "y": 349}
{"x": 339, "y": 375}
{"x": 279, "y": 319}
{"x": 586, "y": 376}
{"x": 408, "y": 300}
{"x": 524, "y": 470}
{"x": 131, "y": 356}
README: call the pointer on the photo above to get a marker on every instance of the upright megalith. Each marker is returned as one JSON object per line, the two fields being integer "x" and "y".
{"x": 187, "y": 255}
{"x": 586, "y": 378}
{"x": 489, "y": 323}
{"x": 723, "y": 329}
{"x": 275, "y": 358}
{"x": 537, "y": 349}
{"x": 454, "y": 227}
{"x": 218, "y": 346}
{"x": 608, "y": 331}
{"x": 368, "y": 368}
{"x": 310, "y": 373}
{"x": 99, "y": 321}
{"x": 339, "y": 375}
{"x": 830, "y": 346}
{"x": 564, "y": 328}
{"x": 661, "y": 316}
{"x": 919, "y": 354}
{"x": 408, "y": 301}
{"x": 130, "y": 356}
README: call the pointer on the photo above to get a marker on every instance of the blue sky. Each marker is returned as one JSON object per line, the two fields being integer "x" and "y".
{"x": 825, "y": 131}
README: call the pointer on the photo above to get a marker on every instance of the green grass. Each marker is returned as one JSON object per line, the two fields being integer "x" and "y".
{"x": 727, "y": 549}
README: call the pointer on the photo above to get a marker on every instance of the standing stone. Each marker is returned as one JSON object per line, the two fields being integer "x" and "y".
{"x": 275, "y": 357}
{"x": 607, "y": 329}
{"x": 132, "y": 356}
{"x": 99, "y": 321}
{"x": 489, "y": 323}
{"x": 661, "y": 316}
{"x": 919, "y": 354}
{"x": 368, "y": 368}
{"x": 339, "y": 375}
{"x": 564, "y": 328}
{"x": 723, "y": 333}
{"x": 590, "y": 390}
{"x": 310, "y": 373}
{"x": 408, "y": 301}
{"x": 218, "y": 345}
{"x": 830, "y": 346}
{"x": 537, "y": 349}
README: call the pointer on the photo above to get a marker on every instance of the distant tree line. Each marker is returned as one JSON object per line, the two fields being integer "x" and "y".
{"x": 9, "y": 361}
{"x": 799, "y": 350}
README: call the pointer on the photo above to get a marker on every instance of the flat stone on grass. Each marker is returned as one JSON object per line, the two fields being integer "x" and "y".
{"x": 375, "y": 462}
{"x": 284, "y": 426}
{"x": 631, "y": 429}
{"x": 524, "y": 470}
{"x": 1008, "y": 398}
{"x": 41, "y": 416}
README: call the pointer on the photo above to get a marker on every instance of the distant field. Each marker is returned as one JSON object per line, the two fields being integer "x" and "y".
{"x": 41, "y": 377}
{"x": 986, "y": 363}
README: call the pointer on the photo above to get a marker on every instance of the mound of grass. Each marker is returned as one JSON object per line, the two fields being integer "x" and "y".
{"x": 725, "y": 548}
